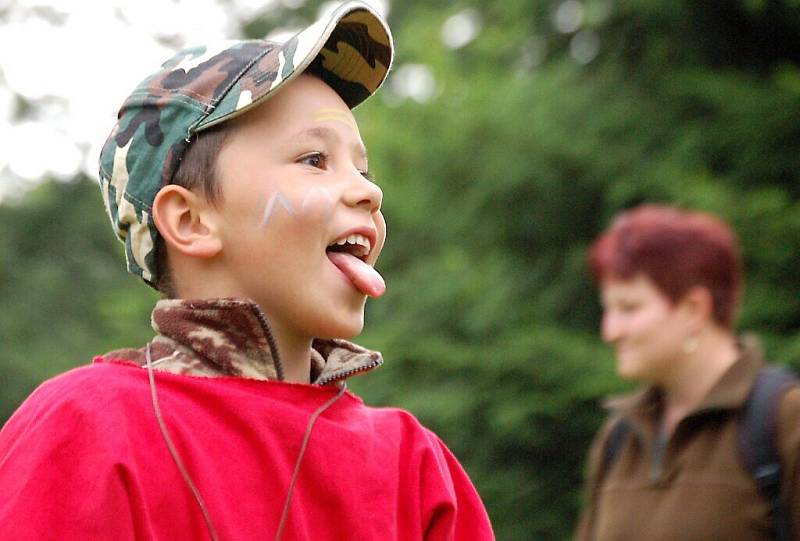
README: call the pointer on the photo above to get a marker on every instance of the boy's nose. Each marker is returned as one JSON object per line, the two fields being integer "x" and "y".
{"x": 362, "y": 192}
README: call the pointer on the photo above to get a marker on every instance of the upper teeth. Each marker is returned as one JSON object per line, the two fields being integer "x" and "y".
{"x": 359, "y": 240}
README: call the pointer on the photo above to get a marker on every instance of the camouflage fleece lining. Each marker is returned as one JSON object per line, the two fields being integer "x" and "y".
{"x": 230, "y": 337}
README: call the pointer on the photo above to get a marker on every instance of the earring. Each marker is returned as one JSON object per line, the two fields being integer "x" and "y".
{"x": 690, "y": 345}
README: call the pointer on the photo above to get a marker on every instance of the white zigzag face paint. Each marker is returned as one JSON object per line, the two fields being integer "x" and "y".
{"x": 317, "y": 199}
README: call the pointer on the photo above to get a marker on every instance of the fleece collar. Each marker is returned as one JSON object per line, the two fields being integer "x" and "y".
{"x": 231, "y": 337}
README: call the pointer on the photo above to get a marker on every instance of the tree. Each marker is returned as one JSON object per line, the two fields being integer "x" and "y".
{"x": 555, "y": 117}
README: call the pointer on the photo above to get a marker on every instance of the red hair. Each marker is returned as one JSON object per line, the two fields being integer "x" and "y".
{"x": 677, "y": 250}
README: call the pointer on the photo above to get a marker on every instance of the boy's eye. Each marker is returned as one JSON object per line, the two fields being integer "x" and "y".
{"x": 317, "y": 160}
{"x": 367, "y": 175}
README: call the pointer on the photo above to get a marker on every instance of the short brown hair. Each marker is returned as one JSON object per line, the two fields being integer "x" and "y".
{"x": 677, "y": 250}
{"x": 197, "y": 172}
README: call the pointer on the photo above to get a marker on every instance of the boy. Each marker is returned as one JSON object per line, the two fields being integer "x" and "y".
{"x": 234, "y": 422}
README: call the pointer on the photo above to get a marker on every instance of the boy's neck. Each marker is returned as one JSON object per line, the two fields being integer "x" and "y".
{"x": 295, "y": 352}
{"x": 296, "y": 362}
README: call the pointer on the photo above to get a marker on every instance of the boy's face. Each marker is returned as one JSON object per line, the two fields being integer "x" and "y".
{"x": 292, "y": 185}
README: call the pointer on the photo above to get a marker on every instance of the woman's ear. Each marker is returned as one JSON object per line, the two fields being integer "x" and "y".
{"x": 185, "y": 220}
{"x": 699, "y": 305}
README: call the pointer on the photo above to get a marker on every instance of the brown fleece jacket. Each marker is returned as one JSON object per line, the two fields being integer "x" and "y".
{"x": 693, "y": 485}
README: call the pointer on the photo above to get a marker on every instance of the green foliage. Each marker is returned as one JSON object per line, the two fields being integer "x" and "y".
{"x": 493, "y": 191}
{"x": 64, "y": 292}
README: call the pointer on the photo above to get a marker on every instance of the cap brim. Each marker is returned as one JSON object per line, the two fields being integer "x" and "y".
{"x": 351, "y": 50}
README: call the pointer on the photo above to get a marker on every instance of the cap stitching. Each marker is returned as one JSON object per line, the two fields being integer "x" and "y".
{"x": 214, "y": 103}
{"x": 171, "y": 92}
{"x": 133, "y": 199}
{"x": 200, "y": 107}
{"x": 238, "y": 76}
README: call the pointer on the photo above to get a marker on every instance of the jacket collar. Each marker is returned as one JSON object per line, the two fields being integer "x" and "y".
{"x": 231, "y": 337}
{"x": 731, "y": 391}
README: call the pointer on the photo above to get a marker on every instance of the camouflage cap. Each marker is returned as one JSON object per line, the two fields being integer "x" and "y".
{"x": 351, "y": 50}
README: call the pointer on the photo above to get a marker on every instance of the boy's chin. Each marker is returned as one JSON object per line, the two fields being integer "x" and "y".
{"x": 343, "y": 329}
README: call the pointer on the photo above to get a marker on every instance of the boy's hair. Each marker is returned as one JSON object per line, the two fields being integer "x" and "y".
{"x": 677, "y": 250}
{"x": 199, "y": 88}
{"x": 197, "y": 172}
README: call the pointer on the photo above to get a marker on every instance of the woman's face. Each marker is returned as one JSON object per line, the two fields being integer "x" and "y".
{"x": 645, "y": 327}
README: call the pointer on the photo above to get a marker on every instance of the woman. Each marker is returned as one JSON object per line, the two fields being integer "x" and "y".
{"x": 667, "y": 465}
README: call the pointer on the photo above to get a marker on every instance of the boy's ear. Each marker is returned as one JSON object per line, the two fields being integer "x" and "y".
{"x": 185, "y": 221}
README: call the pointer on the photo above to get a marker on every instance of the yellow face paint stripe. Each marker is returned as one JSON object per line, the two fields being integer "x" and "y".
{"x": 332, "y": 113}
{"x": 338, "y": 117}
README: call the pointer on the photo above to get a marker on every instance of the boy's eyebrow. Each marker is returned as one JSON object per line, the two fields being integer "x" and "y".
{"x": 326, "y": 134}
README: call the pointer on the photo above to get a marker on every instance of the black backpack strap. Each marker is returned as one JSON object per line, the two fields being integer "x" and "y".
{"x": 614, "y": 440}
{"x": 757, "y": 442}
{"x": 611, "y": 447}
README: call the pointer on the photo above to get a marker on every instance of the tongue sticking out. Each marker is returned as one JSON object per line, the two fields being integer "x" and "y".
{"x": 365, "y": 278}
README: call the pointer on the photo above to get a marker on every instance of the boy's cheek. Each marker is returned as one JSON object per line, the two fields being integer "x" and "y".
{"x": 317, "y": 202}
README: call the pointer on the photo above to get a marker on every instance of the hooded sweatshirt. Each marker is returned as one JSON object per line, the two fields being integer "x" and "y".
{"x": 84, "y": 457}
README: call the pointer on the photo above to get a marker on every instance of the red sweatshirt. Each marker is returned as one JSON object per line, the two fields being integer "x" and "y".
{"x": 84, "y": 459}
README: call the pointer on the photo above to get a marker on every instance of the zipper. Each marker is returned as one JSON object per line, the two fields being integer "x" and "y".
{"x": 338, "y": 376}
{"x": 273, "y": 347}
{"x": 662, "y": 442}
{"x": 276, "y": 358}
{"x": 659, "y": 450}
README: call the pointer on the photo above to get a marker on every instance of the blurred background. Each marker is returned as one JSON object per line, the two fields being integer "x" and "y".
{"x": 506, "y": 137}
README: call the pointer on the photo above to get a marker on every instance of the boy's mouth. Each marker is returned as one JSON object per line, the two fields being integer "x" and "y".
{"x": 349, "y": 254}
{"x": 356, "y": 245}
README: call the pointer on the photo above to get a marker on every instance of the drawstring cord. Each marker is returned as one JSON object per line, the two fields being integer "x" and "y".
{"x": 173, "y": 451}
{"x": 311, "y": 421}
{"x": 179, "y": 463}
